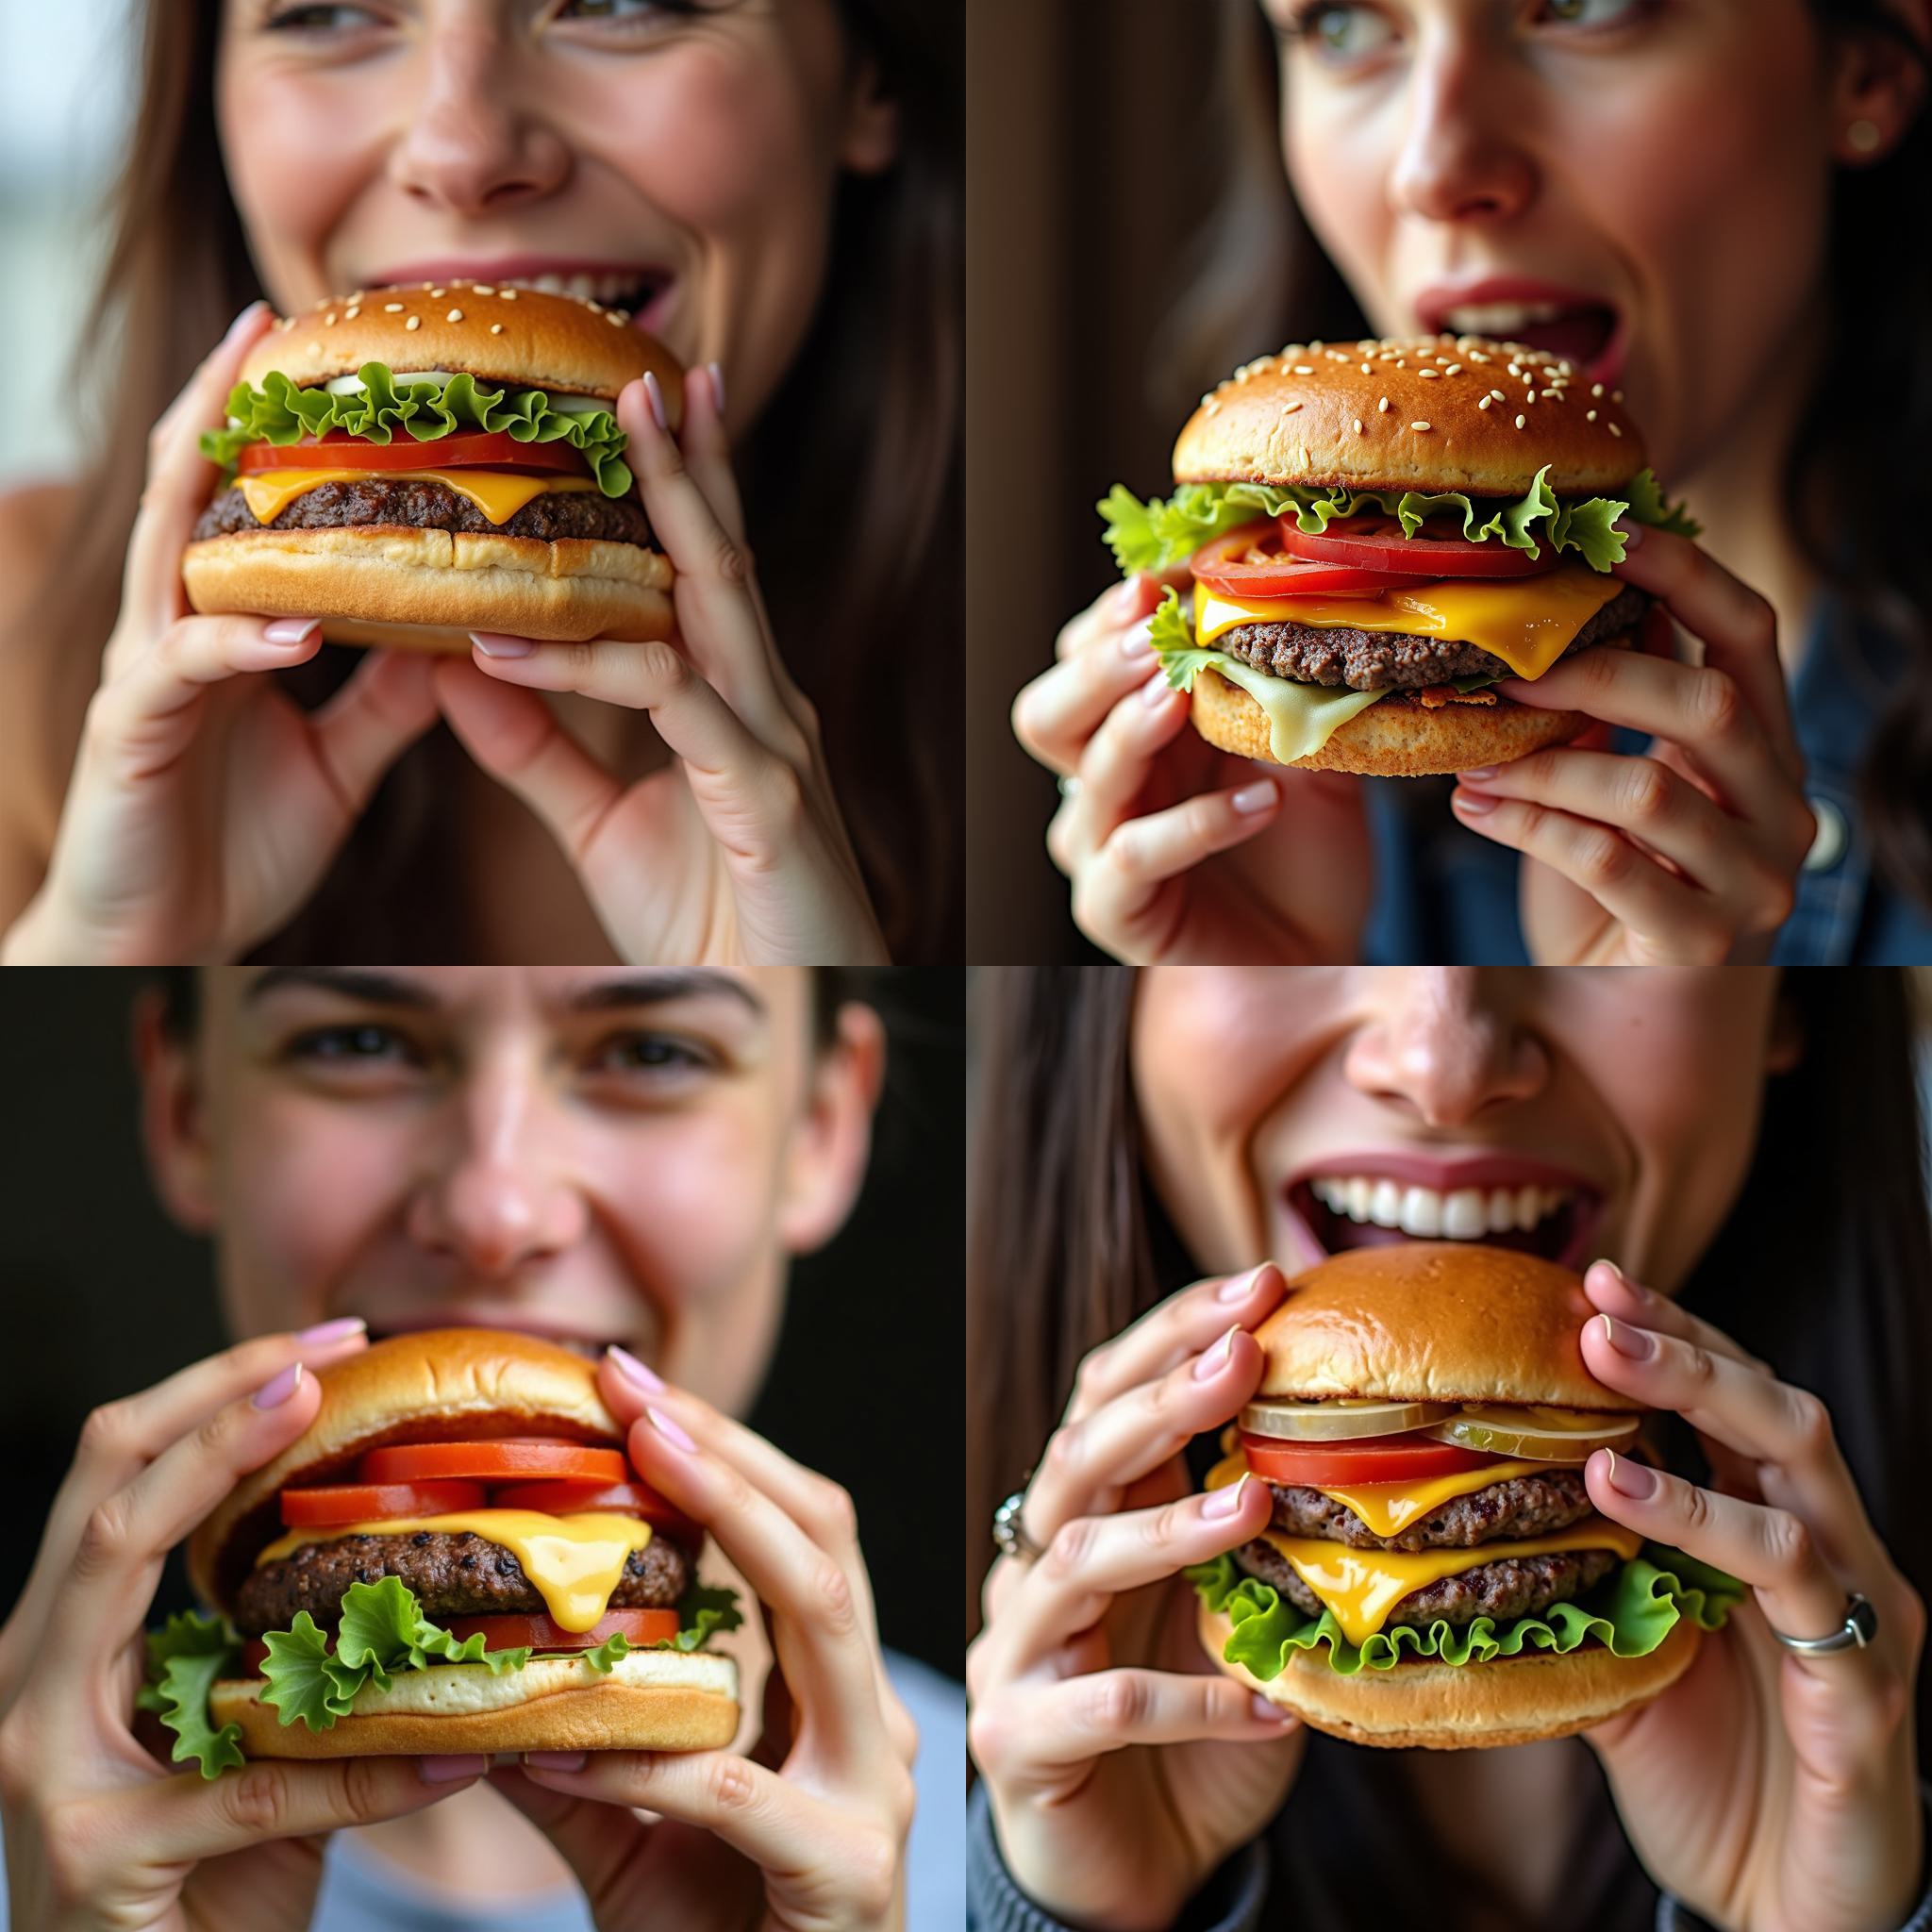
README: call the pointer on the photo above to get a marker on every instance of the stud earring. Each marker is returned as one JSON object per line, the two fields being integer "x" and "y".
{"x": 1861, "y": 136}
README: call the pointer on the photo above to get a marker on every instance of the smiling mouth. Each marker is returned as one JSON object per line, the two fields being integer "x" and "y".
{"x": 1581, "y": 331}
{"x": 1355, "y": 1210}
{"x": 630, "y": 292}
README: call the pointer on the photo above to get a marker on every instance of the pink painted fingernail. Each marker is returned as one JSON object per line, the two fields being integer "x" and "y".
{"x": 1137, "y": 640}
{"x": 241, "y": 322}
{"x": 1634, "y": 1344}
{"x": 1267, "y": 1707}
{"x": 492, "y": 643}
{"x": 1225, "y": 1501}
{"x": 290, "y": 630}
{"x": 1631, "y": 1478}
{"x": 1473, "y": 804}
{"x": 1630, "y": 530}
{"x": 444, "y": 1770}
{"x": 556, "y": 1760}
{"x": 668, "y": 1429}
{"x": 1241, "y": 1288}
{"x": 325, "y": 1333}
{"x": 1218, "y": 1357}
{"x": 632, "y": 1369}
{"x": 1253, "y": 798}
{"x": 277, "y": 1389}
{"x": 1156, "y": 691}
{"x": 654, "y": 394}
{"x": 1477, "y": 771}
{"x": 717, "y": 375}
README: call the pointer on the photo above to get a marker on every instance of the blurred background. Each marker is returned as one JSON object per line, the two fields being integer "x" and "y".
{"x": 102, "y": 1296}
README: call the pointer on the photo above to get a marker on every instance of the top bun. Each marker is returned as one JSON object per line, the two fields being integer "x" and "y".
{"x": 1316, "y": 415}
{"x": 1434, "y": 1321}
{"x": 438, "y": 1385}
{"x": 524, "y": 336}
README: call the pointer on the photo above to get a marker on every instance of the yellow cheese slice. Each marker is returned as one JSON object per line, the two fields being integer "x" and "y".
{"x": 1528, "y": 623}
{"x": 498, "y": 494}
{"x": 1390, "y": 1507}
{"x": 575, "y": 1563}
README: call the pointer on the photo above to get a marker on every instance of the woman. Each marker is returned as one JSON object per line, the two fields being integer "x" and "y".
{"x": 532, "y": 1149}
{"x": 1731, "y": 272}
{"x": 1136, "y": 1133}
{"x": 782, "y": 180}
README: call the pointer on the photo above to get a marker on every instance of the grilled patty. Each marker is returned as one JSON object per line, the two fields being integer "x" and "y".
{"x": 1380, "y": 659}
{"x": 370, "y": 501}
{"x": 1522, "y": 1507}
{"x": 453, "y": 1576}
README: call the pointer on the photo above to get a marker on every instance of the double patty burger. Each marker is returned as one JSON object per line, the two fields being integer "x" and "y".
{"x": 1380, "y": 533}
{"x": 414, "y": 463}
{"x": 455, "y": 1557}
{"x": 1435, "y": 1574}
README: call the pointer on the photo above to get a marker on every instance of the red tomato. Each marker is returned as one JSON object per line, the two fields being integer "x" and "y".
{"x": 1377, "y": 543}
{"x": 1249, "y": 562}
{"x": 497, "y": 450}
{"x": 1368, "y": 1459}
{"x": 539, "y": 1633}
{"x": 367, "y": 1502}
{"x": 565, "y": 1499}
{"x": 513, "y": 1457}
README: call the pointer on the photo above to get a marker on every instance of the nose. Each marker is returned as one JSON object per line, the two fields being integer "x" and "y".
{"x": 1462, "y": 156}
{"x": 1444, "y": 1043}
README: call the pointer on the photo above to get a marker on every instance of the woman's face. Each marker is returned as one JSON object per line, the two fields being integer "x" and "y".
{"x": 679, "y": 154}
{"x": 1639, "y": 185}
{"x": 601, "y": 1155}
{"x": 1289, "y": 1113}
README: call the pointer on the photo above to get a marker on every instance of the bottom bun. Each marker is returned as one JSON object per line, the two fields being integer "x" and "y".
{"x": 428, "y": 590}
{"x": 652, "y": 1701}
{"x": 1420, "y": 1704}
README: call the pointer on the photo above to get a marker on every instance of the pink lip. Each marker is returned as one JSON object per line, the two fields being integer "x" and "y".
{"x": 1434, "y": 302}
{"x": 1446, "y": 1173}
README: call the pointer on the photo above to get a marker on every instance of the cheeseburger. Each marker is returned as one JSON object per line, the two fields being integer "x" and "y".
{"x": 456, "y": 1556}
{"x": 1434, "y": 1573}
{"x": 413, "y": 463}
{"x": 1378, "y": 534}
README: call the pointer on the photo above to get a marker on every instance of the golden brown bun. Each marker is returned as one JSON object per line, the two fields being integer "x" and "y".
{"x": 438, "y": 1385}
{"x": 371, "y": 585}
{"x": 547, "y": 341}
{"x": 1292, "y": 419}
{"x": 1434, "y": 1321}
{"x": 1422, "y": 1703}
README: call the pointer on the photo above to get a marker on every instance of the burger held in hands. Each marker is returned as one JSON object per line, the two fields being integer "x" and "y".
{"x": 1434, "y": 1573}
{"x": 453, "y": 1558}
{"x": 411, "y": 464}
{"x": 1380, "y": 533}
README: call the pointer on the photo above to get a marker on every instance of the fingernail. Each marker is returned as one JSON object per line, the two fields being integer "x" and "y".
{"x": 494, "y": 643}
{"x": 1241, "y": 1288}
{"x": 632, "y": 1369}
{"x": 1156, "y": 691}
{"x": 241, "y": 322}
{"x": 1225, "y": 1501}
{"x": 717, "y": 375}
{"x": 1137, "y": 641}
{"x": 325, "y": 1332}
{"x": 1267, "y": 1707}
{"x": 277, "y": 1389}
{"x": 668, "y": 1429}
{"x": 290, "y": 630}
{"x": 556, "y": 1760}
{"x": 1477, "y": 771}
{"x": 1253, "y": 798}
{"x": 1631, "y": 532}
{"x": 1631, "y": 1478}
{"x": 1473, "y": 804}
{"x": 1125, "y": 596}
{"x": 443, "y": 1771}
{"x": 1218, "y": 1357}
{"x": 654, "y": 394}
{"x": 1635, "y": 1344}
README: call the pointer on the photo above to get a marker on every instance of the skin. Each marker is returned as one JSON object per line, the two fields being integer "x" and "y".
{"x": 1437, "y": 140}
{"x": 1765, "y": 1789}
{"x": 519, "y": 1147}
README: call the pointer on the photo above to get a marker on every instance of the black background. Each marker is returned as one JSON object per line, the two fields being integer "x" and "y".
{"x": 103, "y": 1296}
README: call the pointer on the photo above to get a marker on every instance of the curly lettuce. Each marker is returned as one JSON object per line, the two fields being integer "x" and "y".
{"x": 280, "y": 413}
{"x": 185, "y": 1657}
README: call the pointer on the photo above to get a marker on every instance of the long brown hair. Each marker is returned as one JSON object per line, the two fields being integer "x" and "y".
{"x": 1257, "y": 273}
{"x": 1068, "y": 1244}
{"x": 854, "y": 486}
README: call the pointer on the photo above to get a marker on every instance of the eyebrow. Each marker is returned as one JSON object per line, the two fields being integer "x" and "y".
{"x": 656, "y": 989}
{"x": 350, "y": 982}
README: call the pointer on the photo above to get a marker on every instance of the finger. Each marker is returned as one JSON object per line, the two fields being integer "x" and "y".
{"x": 1610, "y": 1289}
{"x": 1119, "y": 760}
{"x": 1055, "y": 715}
{"x": 706, "y": 445}
{"x": 361, "y": 732}
{"x": 1113, "y": 610}
{"x": 1080, "y": 1717}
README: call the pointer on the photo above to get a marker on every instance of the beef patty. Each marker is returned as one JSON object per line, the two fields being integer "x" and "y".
{"x": 1380, "y": 659}
{"x": 433, "y": 506}
{"x": 1522, "y": 1507}
{"x": 1516, "y": 1587}
{"x": 453, "y": 1576}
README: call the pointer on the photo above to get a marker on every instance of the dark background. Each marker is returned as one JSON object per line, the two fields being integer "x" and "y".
{"x": 102, "y": 1296}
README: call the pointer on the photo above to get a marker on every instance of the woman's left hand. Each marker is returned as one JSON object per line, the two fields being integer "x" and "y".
{"x": 1768, "y": 1789}
{"x": 736, "y": 853}
{"x": 808, "y": 1832}
{"x": 1689, "y": 853}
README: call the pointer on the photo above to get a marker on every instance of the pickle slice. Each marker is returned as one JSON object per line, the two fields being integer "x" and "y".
{"x": 1332, "y": 1422}
{"x": 1541, "y": 1434}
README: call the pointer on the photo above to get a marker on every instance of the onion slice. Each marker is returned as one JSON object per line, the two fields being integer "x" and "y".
{"x": 1345, "y": 1418}
{"x": 1539, "y": 1434}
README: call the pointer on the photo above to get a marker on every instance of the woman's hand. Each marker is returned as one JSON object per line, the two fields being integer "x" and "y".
{"x": 1120, "y": 1765}
{"x": 1179, "y": 851}
{"x": 1685, "y": 854}
{"x": 736, "y": 852}
{"x": 205, "y": 805}
{"x": 810, "y": 1831}
{"x": 1767, "y": 1789}
{"x": 98, "y": 1833}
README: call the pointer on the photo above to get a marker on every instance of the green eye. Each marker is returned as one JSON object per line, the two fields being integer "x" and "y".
{"x": 1343, "y": 31}
{"x": 1591, "y": 13}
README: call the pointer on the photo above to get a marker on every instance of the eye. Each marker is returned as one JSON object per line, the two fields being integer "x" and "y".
{"x": 1595, "y": 13}
{"x": 316, "y": 18}
{"x": 1338, "y": 30}
{"x": 648, "y": 1054}
{"x": 623, "y": 9}
{"x": 360, "y": 1046}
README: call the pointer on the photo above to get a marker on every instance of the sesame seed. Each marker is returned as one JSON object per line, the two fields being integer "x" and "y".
{"x": 1383, "y": 406}
{"x": 438, "y": 294}
{"x": 1402, "y": 361}
{"x": 1316, "y": 345}
{"x": 1520, "y": 421}
{"x": 1589, "y": 415}
{"x": 595, "y": 308}
{"x": 1429, "y": 375}
{"x": 1211, "y": 407}
{"x": 1499, "y": 395}
{"x": 481, "y": 289}
{"x": 330, "y": 319}
{"x": 1614, "y": 430}
{"x": 615, "y": 318}
{"x": 1419, "y": 425}
{"x": 1453, "y": 369}
{"x": 1487, "y": 403}
{"x": 456, "y": 315}
{"x": 1530, "y": 398}
{"x": 1358, "y": 426}
{"x": 1478, "y": 356}
{"x": 496, "y": 329}
{"x": 1596, "y": 388}
{"x": 315, "y": 348}
{"x": 1300, "y": 369}
{"x": 414, "y": 321}
{"x": 392, "y": 307}
{"x": 1290, "y": 409}
{"x": 507, "y": 294}
{"x": 352, "y": 312}
{"x": 1368, "y": 369}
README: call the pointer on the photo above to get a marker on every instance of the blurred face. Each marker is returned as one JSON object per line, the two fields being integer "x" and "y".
{"x": 597, "y": 1156}
{"x": 676, "y": 158}
{"x": 1290, "y": 1113}
{"x": 1640, "y": 185}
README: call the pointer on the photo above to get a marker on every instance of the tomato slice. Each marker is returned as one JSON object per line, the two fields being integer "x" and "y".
{"x": 1368, "y": 1459}
{"x": 541, "y": 1633}
{"x": 367, "y": 1502}
{"x": 567, "y": 1498}
{"x": 495, "y": 449}
{"x": 1249, "y": 562}
{"x": 1377, "y": 543}
{"x": 515, "y": 1457}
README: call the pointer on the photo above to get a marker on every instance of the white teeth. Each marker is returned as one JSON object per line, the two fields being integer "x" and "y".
{"x": 1498, "y": 318}
{"x": 1422, "y": 1212}
{"x": 1385, "y": 1205}
{"x": 1528, "y": 1207}
{"x": 1502, "y": 1210}
{"x": 1465, "y": 1218}
{"x": 1358, "y": 1193}
{"x": 1465, "y": 1214}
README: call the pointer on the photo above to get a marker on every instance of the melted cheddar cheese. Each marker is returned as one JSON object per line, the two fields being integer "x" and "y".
{"x": 498, "y": 494}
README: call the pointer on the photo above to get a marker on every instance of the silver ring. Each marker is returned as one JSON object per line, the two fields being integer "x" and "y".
{"x": 1859, "y": 1628}
{"x": 1009, "y": 1532}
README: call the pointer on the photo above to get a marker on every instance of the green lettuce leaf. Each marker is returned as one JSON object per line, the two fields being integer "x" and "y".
{"x": 702, "y": 1610}
{"x": 280, "y": 413}
{"x": 184, "y": 1657}
{"x": 1630, "y": 1612}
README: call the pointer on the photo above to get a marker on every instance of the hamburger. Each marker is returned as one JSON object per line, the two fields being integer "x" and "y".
{"x": 1434, "y": 1573}
{"x": 455, "y": 1557}
{"x": 1377, "y": 535}
{"x": 413, "y": 463}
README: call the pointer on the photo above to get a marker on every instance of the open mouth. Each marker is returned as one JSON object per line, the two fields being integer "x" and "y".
{"x": 632, "y": 292}
{"x": 1584, "y": 332}
{"x": 1356, "y": 1211}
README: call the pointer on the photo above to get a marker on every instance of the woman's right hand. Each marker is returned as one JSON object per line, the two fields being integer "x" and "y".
{"x": 205, "y": 805}
{"x": 1120, "y": 1765}
{"x": 1179, "y": 851}
{"x": 99, "y": 1833}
